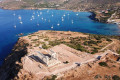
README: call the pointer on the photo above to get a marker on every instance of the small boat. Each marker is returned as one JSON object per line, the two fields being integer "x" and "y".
{"x": 38, "y": 24}
{"x": 77, "y": 14}
{"x": 14, "y": 14}
{"x": 31, "y": 19}
{"x": 52, "y": 15}
{"x": 14, "y": 26}
{"x": 52, "y": 27}
{"x": 21, "y": 22}
{"x": 45, "y": 19}
{"x": 47, "y": 11}
{"x": 58, "y": 24}
{"x": 33, "y": 12}
{"x": 19, "y": 17}
{"x": 62, "y": 19}
{"x": 40, "y": 13}
{"x": 64, "y": 15}
{"x": 72, "y": 22}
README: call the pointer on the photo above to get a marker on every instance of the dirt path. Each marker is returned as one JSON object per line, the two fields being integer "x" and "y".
{"x": 107, "y": 46}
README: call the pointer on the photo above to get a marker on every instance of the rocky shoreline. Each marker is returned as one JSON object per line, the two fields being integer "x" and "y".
{"x": 100, "y": 17}
{"x": 93, "y": 16}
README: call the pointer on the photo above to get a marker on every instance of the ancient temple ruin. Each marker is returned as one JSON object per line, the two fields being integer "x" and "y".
{"x": 49, "y": 59}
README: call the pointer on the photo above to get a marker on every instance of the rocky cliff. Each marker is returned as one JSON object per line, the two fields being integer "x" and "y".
{"x": 12, "y": 63}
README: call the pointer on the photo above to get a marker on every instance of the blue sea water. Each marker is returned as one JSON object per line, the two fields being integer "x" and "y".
{"x": 34, "y": 20}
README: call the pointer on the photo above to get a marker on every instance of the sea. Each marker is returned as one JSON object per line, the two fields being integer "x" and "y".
{"x": 15, "y": 22}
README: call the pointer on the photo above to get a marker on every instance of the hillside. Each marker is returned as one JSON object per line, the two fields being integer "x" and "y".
{"x": 61, "y": 4}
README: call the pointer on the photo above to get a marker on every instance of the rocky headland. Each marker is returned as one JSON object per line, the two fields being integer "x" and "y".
{"x": 80, "y": 56}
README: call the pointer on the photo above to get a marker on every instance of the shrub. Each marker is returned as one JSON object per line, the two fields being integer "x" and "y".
{"x": 108, "y": 39}
{"x": 115, "y": 77}
{"x": 66, "y": 62}
{"x": 53, "y": 77}
{"x": 92, "y": 42}
{"x": 104, "y": 64}
{"x": 118, "y": 51}
{"x": 54, "y": 43}
{"x": 94, "y": 51}
{"x": 44, "y": 46}
{"x": 97, "y": 76}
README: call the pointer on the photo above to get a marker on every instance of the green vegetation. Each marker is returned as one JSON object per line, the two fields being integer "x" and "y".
{"x": 104, "y": 64}
{"x": 118, "y": 51}
{"x": 115, "y": 77}
{"x": 44, "y": 46}
{"x": 106, "y": 16}
{"x": 77, "y": 47}
{"x": 90, "y": 44}
{"x": 93, "y": 42}
{"x": 97, "y": 76}
{"x": 53, "y": 77}
{"x": 66, "y": 62}
{"x": 107, "y": 77}
{"x": 95, "y": 50}
{"x": 56, "y": 42}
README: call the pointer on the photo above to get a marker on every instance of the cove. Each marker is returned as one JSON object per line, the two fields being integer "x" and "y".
{"x": 14, "y": 22}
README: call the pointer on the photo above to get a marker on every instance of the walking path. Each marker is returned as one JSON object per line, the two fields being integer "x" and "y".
{"x": 107, "y": 46}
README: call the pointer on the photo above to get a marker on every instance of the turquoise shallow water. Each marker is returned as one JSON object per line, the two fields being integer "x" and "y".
{"x": 13, "y": 22}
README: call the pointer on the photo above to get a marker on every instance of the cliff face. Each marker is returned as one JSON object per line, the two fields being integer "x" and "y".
{"x": 12, "y": 63}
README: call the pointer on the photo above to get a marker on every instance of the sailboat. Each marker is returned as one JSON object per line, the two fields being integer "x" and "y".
{"x": 47, "y": 11}
{"x": 62, "y": 19}
{"x": 14, "y": 14}
{"x": 33, "y": 17}
{"x": 14, "y": 20}
{"x": 19, "y": 17}
{"x": 42, "y": 18}
{"x": 45, "y": 19}
{"x": 38, "y": 24}
{"x": 33, "y": 12}
{"x": 52, "y": 27}
{"x": 14, "y": 26}
{"x": 21, "y": 22}
{"x": 58, "y": 24}
{"x": 77, "y": 14}
{"x": 40, "y": 13}
{"x": 72, "y": 22}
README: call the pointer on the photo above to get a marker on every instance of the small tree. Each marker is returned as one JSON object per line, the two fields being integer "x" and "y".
{"x": 104, "y": 64}
{"x": 115, "y": 77}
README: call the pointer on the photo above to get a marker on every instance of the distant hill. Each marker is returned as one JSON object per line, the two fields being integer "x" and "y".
{"x": 64, "y": 4}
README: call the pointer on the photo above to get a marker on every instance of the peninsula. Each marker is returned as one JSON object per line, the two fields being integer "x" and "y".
{"x": 50, "y": 55}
